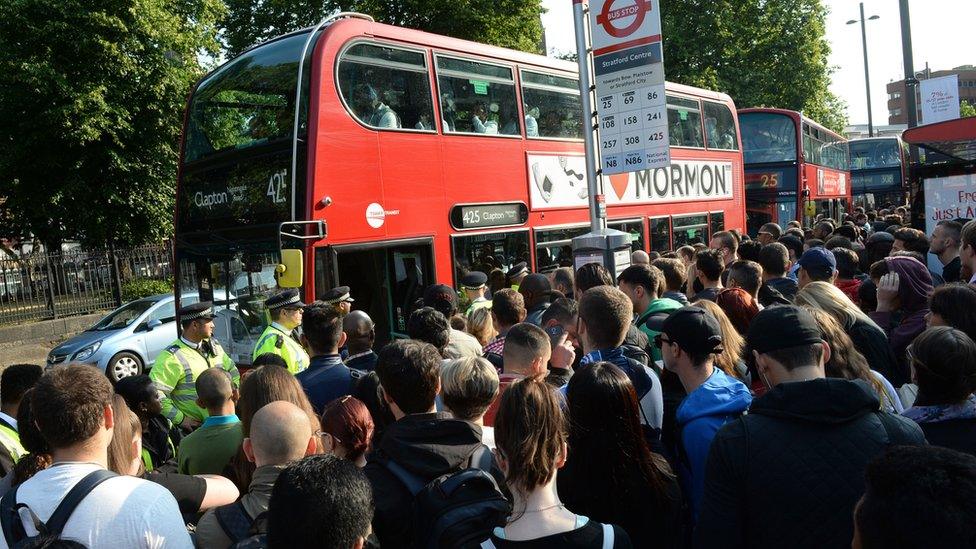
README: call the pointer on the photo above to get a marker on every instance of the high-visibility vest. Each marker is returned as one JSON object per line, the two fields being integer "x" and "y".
{"x": 10, "y": 439}
{"x": 275, "y": 341}
{"x": 175, "y": 372}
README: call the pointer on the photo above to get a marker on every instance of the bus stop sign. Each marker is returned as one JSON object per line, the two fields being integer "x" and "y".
{"x": 639, "y": 9}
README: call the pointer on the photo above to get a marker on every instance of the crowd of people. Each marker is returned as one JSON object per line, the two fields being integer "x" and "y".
{"x": 806, "y": 388}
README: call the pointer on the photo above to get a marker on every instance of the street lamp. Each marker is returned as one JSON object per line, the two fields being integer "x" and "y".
{"x": 867, "y": 78}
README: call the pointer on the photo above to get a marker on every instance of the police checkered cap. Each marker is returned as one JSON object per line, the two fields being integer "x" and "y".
{"x": 287, "y": 298}
{"x": 203, "y": 309}
{"x": 337, "y": 295}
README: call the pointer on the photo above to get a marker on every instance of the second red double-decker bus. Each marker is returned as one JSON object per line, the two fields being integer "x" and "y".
{"x": 424, "y": 157}
{"x": 795, "y": 168}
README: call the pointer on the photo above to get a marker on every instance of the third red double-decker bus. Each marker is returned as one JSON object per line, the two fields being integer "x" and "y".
{"x": 795, "y": 168}
{"x": 392, "y": 159}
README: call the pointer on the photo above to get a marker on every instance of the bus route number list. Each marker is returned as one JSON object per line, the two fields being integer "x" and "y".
{"x": 633, "y": 129}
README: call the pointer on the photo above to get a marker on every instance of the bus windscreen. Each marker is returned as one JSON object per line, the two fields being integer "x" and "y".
{"x": 767, "y": 137}
{"x": 868, "y": 155}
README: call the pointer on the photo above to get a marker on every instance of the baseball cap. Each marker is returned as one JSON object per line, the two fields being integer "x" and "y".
{"x": 441, "y": 297}
{"x": 782, "y": 327}
{"x": 818, "y": 261}
{"x": 694, "y": 330}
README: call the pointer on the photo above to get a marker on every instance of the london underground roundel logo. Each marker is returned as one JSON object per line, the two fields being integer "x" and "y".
{"x": 638, "y": 9}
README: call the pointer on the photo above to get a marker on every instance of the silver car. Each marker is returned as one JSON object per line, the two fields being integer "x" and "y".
{"x": 127, "y": 341}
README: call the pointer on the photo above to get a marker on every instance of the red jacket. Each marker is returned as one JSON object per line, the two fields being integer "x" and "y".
{"x": 849, "y": 287}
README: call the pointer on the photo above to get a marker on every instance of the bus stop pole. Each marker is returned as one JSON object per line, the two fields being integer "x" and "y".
{"x": 911, "y": 83}
{"x": 594, "y": 181}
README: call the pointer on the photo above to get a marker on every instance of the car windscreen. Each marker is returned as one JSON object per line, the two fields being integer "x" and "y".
{"x": 124, "y": 316}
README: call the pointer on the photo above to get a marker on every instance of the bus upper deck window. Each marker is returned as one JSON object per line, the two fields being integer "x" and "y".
{"x": 684, "y": 122}
{"x": 720, "y": 127}
{"x": 552, "y": 106}
{"x": 477, "y": 97}
{"x": 386, "y": 88}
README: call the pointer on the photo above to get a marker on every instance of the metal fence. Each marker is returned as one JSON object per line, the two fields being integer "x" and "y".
{"x": 42, "y": 286}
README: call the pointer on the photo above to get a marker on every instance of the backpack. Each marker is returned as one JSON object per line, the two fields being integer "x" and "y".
{"x": 10, "y": 512}
{"x": 242, "y": 530}
{"x": 455, "y": 510}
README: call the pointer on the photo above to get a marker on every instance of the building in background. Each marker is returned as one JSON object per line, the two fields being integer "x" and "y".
{"x": 897, "y": 107}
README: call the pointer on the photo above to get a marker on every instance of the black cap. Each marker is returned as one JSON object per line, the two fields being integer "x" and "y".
{"x": 201, "y": 309}
{"x": 694, "y": 329}
{"x": 441, "y": 297}
{"x": 337, "y": 295}
{"x": 518, "y": 269}
{"x": 474, "y": 280}
{"x": 782, "y": 327}
{"x": 285, "y": 298}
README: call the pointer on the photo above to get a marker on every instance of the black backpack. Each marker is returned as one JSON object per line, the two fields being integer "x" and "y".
{"x": 456, "y": 510}
{"x": 13, "y": 527}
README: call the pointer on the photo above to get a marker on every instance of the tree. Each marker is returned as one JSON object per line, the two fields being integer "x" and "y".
{"x": 967, "y": 109}
{"x": 507, "y": 23}
{"x": 92, "y": 94}
{"x": 769, "y": 53}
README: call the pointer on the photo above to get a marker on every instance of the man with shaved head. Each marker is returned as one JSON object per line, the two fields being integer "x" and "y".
{"x": 360, "y": 336}
{"x": 537, "y": 292}
{"x": 280, "y": 434}
{"x": 210, "y": 448}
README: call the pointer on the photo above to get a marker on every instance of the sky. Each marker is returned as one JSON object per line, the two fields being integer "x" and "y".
{"x": 941, "y": 35}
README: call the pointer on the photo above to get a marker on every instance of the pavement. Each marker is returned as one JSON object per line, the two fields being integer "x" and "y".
{"x": 31, "y": 352}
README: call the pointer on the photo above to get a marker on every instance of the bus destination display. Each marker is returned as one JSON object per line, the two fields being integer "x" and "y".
{"x": 483, "y": 216}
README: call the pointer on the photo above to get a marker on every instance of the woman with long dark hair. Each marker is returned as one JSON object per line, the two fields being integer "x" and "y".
{"x": 530, "y": 433}
{"x": 611, "y": 475}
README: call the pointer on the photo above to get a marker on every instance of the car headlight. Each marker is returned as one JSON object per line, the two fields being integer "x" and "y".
{"x": 88, "y": 351}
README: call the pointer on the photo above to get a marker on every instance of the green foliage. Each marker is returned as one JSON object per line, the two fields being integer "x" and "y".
{"x": 507, "y": 23}
{"x": 764, "y": 53}
{"x": 967, "y": 109}
{"x": 92, "y": 94}
{"x": 145, "y": 287}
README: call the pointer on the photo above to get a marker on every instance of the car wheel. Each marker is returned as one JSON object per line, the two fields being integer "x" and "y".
{"x": 122, "y": 365}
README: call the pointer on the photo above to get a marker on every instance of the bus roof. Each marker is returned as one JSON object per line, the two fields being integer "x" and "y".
{"x": 791, "y": 114}
{"x": 954, "y": 138}
{"x": 441, "y": 42}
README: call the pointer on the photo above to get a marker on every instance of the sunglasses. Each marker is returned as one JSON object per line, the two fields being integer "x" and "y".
{"x": 659, "y": 341}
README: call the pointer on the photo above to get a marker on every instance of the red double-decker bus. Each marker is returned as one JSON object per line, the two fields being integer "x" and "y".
{"x": 795, "y": 168}
{"x": 423, "y": 157}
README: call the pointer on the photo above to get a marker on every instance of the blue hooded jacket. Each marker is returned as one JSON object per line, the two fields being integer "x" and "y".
{"x": 701, "y": 414}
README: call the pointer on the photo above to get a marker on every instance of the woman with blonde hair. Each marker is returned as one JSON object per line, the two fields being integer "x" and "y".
{"x": 730, "y": 361}
{"x": 481, "y": 326}
{"x": 847, "y": 363}
{"x": 869, "y": 339}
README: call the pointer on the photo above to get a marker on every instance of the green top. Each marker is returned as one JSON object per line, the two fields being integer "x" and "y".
{"x": 660, "y": 305}
{"x": 210, "y": 448}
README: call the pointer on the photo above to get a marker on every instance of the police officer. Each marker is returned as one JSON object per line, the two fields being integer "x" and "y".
{"x": 339, "y": 298}
{"x": 475, "y": 284}
{"x": 516, "y": 274}
{"x": 176, "y": 368}
{"x": 286, "y": 310}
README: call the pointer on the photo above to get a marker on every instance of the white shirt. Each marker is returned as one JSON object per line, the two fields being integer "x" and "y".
{"x": 120, "y": 512}
{"x": 280, "y": 327}
{"x": 189, "y": 343}
{"x": 11, "y": 421}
